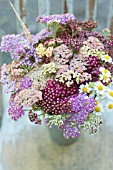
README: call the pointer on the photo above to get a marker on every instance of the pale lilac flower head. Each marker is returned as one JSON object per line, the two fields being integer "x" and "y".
{"x": 82, "y": 106}
{"x": 14, "y": 44}
{"x": 60, "y": 18}
{"x": 26, "y": 83}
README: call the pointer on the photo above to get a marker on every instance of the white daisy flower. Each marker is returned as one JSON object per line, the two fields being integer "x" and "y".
{"x": 105, "y": 71}
{"x": 92, "y": 93}
{"x": 106, "y": 58}
{"x": 109, "y": 106}
{"x": 97, "y": 100}
{"x": 99, "y": 88}
{"x": 105, "y": 78}
{"x": 84, "y": 88}
{"x": 110, "y": 94}
{"x": 98, "y": 109}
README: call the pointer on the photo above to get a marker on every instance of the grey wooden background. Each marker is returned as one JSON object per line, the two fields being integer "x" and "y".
{"x": 24, "y": 146}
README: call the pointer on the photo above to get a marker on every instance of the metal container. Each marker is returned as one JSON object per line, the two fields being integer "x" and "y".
{"x": 57, "y": 137}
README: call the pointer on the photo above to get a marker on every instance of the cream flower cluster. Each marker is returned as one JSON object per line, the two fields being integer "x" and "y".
{"x": 41, "y": 50}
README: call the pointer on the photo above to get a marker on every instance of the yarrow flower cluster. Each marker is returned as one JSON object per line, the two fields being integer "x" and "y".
{"x": 65, "y": 71}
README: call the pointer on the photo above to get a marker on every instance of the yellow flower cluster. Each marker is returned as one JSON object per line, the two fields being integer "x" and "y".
{"x": 43, "y": 51}
{"x": 86, "y": 51}
{"x": 49, "y": 51}
{"x": 48, "y": 69}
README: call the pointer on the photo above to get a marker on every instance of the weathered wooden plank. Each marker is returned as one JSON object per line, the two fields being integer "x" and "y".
{"x": 80, "y": 9}
{"x": 56, "y": 7}
{"x": 95, "y": 10}
{"x": 7, "y": 18}
{"x": 70, "y": 5}
{"x": 87, "y": 10}
{"x": 7, "y": 26}
{"x": 111, "y": 26}
{"x": 110, "y": 16}
{"x": 65, "y": 10}
{"x": 43, "y": 9}
{"x": 101, "y": 11}
{"x": 91, "y": 8}
{"x": 32, "y": 14}
{"x": 21, "y": 8}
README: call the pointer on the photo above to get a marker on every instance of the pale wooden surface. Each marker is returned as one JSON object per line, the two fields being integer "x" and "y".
{"x": 24, "y": 146}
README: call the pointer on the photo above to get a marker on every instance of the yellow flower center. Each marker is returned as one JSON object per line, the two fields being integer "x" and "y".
{"x": 91, "y": 92}
{"x": 105, "y": 77}
{"x": 96, "y": 102}
{"x": 84, "y": 89}
{"x": 111, "y": 93}
{"x": 107, "y": 57}
{"x": 110, "y": 106}
{"x": 97, "y": 109}
{"x": 100, "y": 87}
{"x": 105, "y": 71}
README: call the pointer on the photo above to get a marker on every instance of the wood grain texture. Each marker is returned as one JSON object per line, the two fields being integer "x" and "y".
{"x": 111, "y": 25}
{"x": 21, "y": 8}
{"x": 65, "y": 7}
{"x": 91, "y": 8}
{"x": 7, "y": 26}
{"x": 56, "y": 7}
{"x": 110, "y": 16}
{"x": 80, "y": 9}
{"x": 32, "y": 14}
{"x": 101, "y": 11}
{"x": 70, "y": 6}
{"x": 43, "y": 9}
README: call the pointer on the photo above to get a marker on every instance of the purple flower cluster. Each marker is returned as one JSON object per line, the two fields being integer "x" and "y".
{"x": 82, "y": 106}
{"x": 68, "y": 130}
{"x": 15, "y": 111}
{"x": 42, "y": 35}
{"x": 62, "y": 19}
{"x": 22, "y": 49}
{"x": 26, "y": 83}
{"x": 14, "y": 44}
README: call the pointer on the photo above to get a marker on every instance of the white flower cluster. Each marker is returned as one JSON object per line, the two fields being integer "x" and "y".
{"x": 100, "y": 92}
{"x": 56, "y": 120}
{"x": 48, "y": 69}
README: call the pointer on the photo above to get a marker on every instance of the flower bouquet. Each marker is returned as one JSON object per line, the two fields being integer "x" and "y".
{"x": 65, "y": 71}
